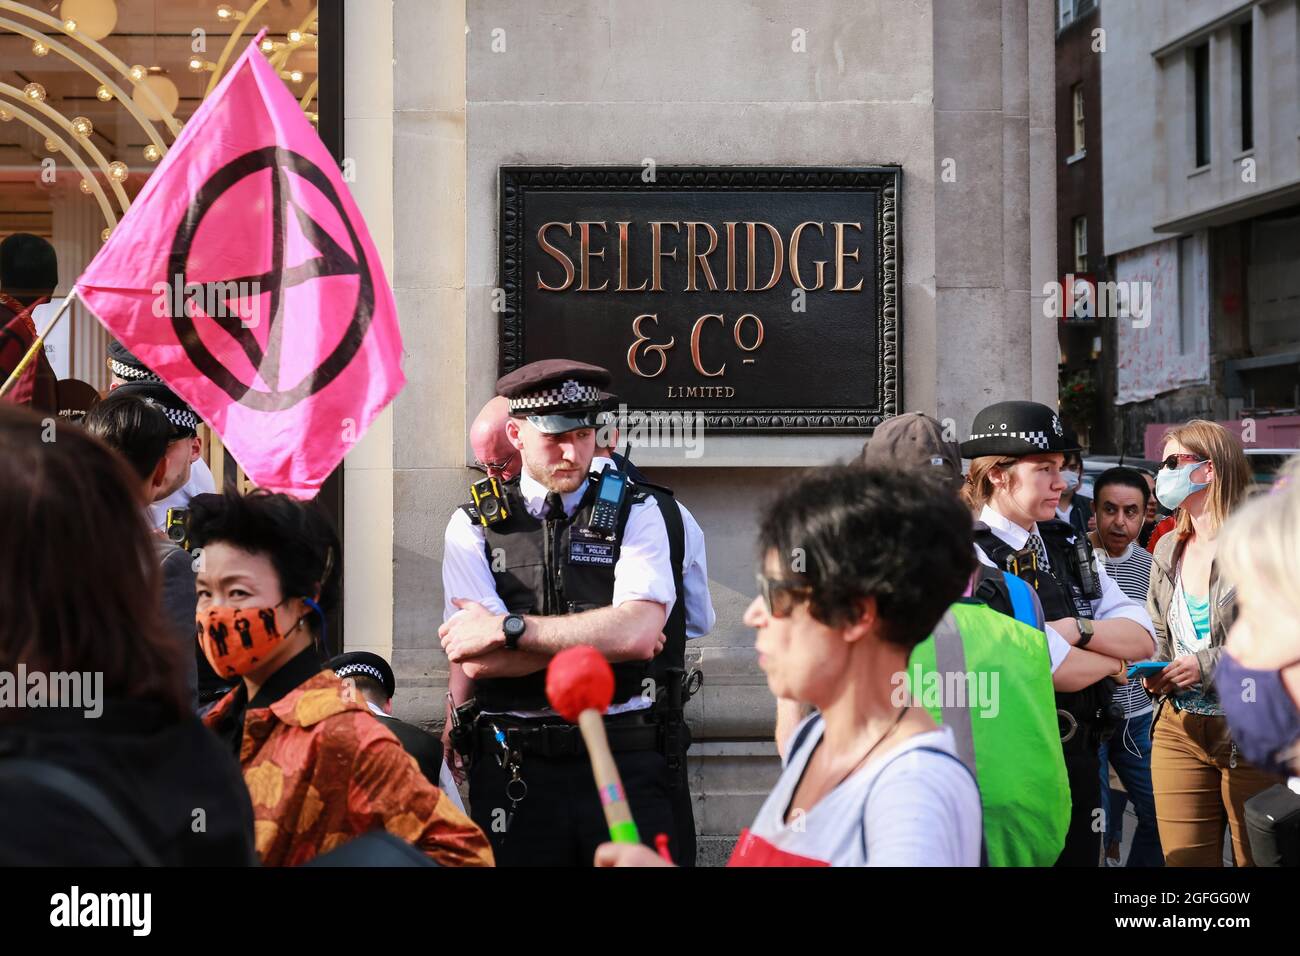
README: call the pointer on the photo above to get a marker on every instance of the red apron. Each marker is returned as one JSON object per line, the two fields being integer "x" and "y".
{"x": 753, "y": 850}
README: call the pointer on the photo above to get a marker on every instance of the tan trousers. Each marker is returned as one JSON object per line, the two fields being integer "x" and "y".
{"x": 1197, "y": 791}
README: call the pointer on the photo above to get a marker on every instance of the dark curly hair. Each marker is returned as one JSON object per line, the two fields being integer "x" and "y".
{"x": 899, "y": 536}
{"x": 296, "y": 536}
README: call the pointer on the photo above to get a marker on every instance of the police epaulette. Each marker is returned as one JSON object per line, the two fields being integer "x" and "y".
{"x": 652, "y": 485}
{"x": 472, "y": 511}
{"x": 1057, "y": 526}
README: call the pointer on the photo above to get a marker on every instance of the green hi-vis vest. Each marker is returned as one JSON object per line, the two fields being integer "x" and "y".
{"x": 992, "y": 685}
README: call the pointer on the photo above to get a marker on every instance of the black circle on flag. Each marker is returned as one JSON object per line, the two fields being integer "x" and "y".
{"x": 275, "y": 281}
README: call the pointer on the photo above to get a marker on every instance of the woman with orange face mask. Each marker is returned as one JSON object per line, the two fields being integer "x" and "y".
{"x": 319, "y": 767}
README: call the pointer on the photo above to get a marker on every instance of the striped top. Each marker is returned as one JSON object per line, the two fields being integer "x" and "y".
{"x": 1132, "y": 572}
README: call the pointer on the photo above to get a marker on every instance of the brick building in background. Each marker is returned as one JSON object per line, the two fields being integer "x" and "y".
{"x": 1201, "y": 186}
{"x": 1079, "y": 251}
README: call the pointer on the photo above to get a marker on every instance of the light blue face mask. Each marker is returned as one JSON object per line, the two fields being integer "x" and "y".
{"x": 1173, "y": 487}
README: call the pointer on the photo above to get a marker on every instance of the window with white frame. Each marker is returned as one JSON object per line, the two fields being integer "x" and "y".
{"x": 1081, "y": 244}
{"x": 1065, "y": 13}
{"x": 1076, "y": 96}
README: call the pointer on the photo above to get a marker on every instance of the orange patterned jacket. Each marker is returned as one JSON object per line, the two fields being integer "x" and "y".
{"x": 321, "y": 769}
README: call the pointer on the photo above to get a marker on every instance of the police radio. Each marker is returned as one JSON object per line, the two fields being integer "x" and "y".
{"x": 489, "y": 502}
{"x": 609, "y": 499}
{"x": 1083, "y": 562}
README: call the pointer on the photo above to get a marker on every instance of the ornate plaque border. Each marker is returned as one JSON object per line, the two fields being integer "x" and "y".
{"x": 886, "y": 180}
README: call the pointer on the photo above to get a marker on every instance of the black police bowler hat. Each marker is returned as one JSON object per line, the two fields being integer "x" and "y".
{"x": 366, "y": 664}
{"x": 1015, "y": 429}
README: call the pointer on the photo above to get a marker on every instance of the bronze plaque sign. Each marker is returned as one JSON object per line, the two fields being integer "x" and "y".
{"x": 762, "y": 298}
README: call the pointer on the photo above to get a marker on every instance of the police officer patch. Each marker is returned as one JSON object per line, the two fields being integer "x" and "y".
{"x": 591, "y": 552}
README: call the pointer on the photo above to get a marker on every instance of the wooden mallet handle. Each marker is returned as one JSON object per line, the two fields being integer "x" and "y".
{"x": 580, "y": 686}
{"x": 618, "y": 815}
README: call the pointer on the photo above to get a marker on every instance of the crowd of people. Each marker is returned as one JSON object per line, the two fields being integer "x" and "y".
{"x": 970, "y": 665}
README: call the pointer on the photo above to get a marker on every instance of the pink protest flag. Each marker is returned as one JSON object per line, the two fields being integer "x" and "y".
{"x": 244, "y": 276}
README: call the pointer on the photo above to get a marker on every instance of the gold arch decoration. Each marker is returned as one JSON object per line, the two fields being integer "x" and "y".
{"x": 105, "y": 54}
{"x": 85, "y": 142}
{"x": 66, "y": 148}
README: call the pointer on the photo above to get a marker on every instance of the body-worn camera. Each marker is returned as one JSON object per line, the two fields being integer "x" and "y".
{"x": 176, "y": 530}
{"x": 489, "y": 502}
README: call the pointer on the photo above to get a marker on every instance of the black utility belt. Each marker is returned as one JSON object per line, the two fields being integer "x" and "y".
{"x": 542, "y": 738}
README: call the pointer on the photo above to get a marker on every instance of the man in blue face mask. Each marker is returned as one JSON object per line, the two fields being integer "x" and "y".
{"x": 1259, "y": 671}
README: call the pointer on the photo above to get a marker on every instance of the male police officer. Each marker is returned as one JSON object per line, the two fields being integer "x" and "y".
{"x": 570, "y": 559}
{"x": 125, "y": 368}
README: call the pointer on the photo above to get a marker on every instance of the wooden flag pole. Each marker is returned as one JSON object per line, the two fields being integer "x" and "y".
{"x": 37, "y": 345}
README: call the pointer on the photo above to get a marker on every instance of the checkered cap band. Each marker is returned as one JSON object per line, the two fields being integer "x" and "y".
{"x": 131, "y": 372}
{"x": 558, "y": 398}
{"x": 1037, "y": 439}
{"x": 358, "y": 668}
{"x": 180, "y": 417}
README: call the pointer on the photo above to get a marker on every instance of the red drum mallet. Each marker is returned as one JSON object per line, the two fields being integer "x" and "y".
{"x": 580, "y": 686}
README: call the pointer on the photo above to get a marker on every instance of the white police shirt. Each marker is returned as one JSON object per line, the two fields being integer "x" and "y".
{"x": 700, "y": 616}
{"x": 643, "y": 573}
{"x": 1112, "y": 604}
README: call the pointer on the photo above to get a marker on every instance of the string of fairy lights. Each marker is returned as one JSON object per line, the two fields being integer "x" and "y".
{"x": 73, "y": 30}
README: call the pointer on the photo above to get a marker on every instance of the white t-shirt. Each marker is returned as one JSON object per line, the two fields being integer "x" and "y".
{"x": 911, "y": 807}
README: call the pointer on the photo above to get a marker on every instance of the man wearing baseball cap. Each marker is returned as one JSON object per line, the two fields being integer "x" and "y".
{"x": 564, "y": 559}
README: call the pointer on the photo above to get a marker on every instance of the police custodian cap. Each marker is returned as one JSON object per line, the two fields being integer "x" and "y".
{"x": 1013, "y": 429}
{"x": 365, "y": 664}
{"x": 556, "y": 395}
{"x": 125, "y": 365}
{"x": 168, "y": 402}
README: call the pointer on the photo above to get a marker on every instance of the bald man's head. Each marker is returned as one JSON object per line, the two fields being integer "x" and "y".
{"x": 487, "y": 436}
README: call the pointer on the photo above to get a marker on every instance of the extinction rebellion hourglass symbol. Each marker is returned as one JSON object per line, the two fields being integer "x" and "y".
{"x": 265, "y": 358}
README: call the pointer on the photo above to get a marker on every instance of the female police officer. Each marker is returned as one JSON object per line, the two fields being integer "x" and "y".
{"x": 1015, "y": 484}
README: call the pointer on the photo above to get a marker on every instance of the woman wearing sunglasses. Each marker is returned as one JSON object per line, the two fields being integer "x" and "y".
{"x": 858, "y": 567}
{"x": 1201, "y": 779}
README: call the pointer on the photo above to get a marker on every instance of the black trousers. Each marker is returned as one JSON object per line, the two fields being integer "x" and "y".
{"x": 561, "y": 822}
{"x": 683, "y": 847}
{"x": 1083, "y": 838}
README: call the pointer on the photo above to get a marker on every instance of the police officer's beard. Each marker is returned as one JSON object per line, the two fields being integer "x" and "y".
{"x": 563, "y": 478}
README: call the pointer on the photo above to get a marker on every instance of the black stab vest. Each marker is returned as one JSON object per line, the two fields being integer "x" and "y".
{"x": 1062, "y": 594}
{"x": 552, "y": 568}
{"x": 1060, "y": 589}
